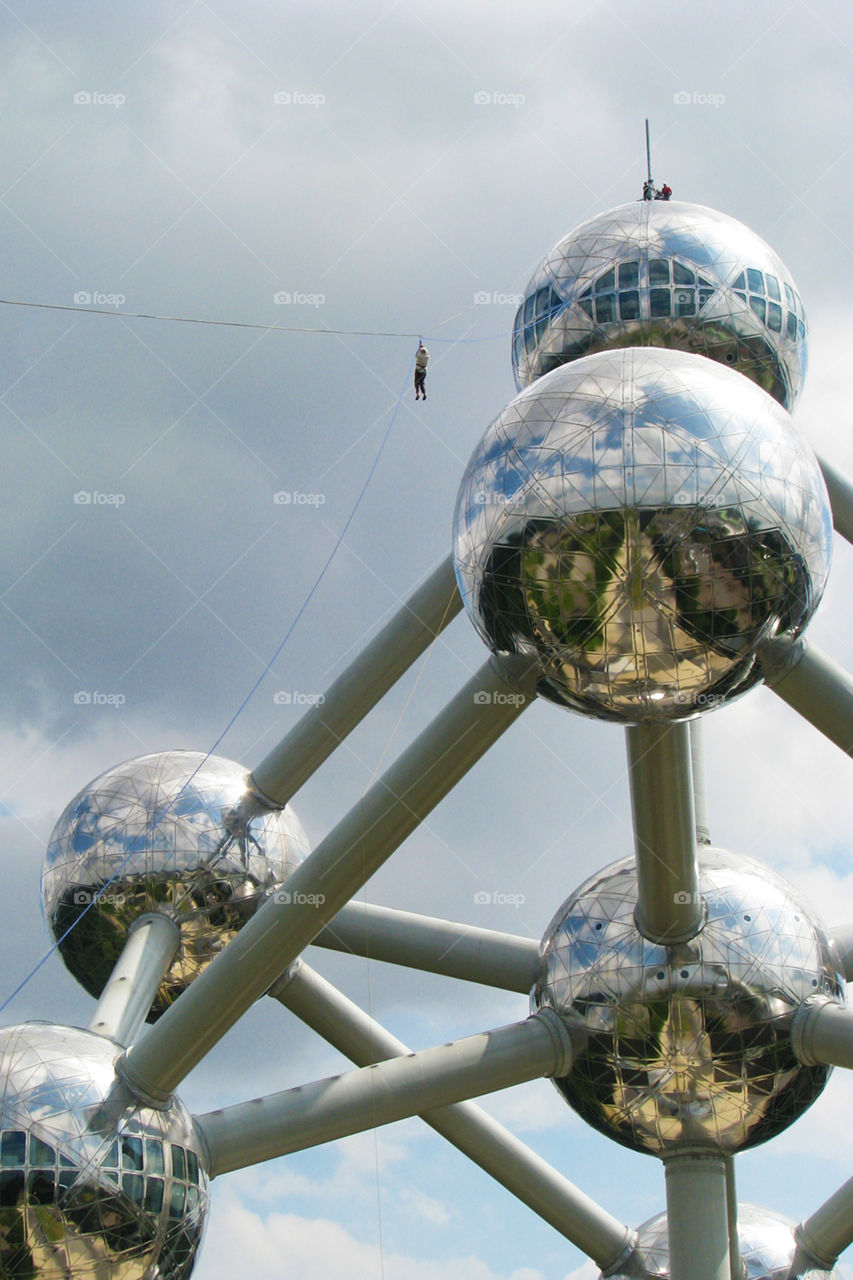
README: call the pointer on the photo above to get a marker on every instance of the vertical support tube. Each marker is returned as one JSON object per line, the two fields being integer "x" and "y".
{"x": 345, "y": 860}
{"x": 735, "y": 1263}
{"x": 131, "y": 987}
{"x": 358, "y": 689}
{"x": 697, "y": 1216}
{"x": 697, "y": 758}
{"x": 669, "y": 904}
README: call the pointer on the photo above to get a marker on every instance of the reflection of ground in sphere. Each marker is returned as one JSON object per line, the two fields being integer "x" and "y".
{"x": 641, "y": 521}
{"x": 91, "y": 1183}
{"x": 665, "y": 274}
{"x": 688, "y": 1044}
{"x": 158, "y": 842}
{"x": 766, "y": 1241}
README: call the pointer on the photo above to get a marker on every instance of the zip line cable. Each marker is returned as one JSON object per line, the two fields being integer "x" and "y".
{"x": 318, "y": 580}
{"x": 239, "y": 324}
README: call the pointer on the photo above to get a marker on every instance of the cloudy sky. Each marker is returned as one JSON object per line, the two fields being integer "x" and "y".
{"x": 380, "y": 167}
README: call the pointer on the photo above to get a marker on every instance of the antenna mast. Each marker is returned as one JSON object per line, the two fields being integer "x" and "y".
{"x": 648, "y": 152}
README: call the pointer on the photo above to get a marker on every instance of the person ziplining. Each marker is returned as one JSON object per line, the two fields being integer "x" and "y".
{"x": 421, "y": 362}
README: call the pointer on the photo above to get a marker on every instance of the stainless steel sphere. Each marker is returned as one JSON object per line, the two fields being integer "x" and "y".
{"x": 766, "y": 1241}
{"x": 665, "y": 274}
{"x": 91, "y": 1183}
{"x": 640, "y": 521}
{"x": 161, "y": 833}
{"x": 688, "y": 1044}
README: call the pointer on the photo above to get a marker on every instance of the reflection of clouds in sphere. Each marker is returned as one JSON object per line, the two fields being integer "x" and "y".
{"x": 688, "y": 1044}
{"x": 665, "y": 274}
{"x": 172, "y": 847}
{"x": 766, "y": 1242}
{"x": 641, "y": 521}
{"x": 92, "y": 1183}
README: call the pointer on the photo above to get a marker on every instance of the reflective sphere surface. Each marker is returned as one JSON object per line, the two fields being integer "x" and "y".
{"x": 640, "y": 521}
{"x": 158, "y": 833}
{"x": 767, "y": 1249}
{"x": 688, "y": 1044}
{"x": 91, "y": 1183}
{"x": 665, "y": 274}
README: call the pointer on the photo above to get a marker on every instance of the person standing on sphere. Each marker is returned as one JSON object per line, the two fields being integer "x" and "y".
{"x": 421, "y": 362}
{"x": 648, "y": 190}
{"x": 664, "y": 193}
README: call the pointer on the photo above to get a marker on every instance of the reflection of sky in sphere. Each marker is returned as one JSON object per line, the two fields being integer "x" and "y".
{"x": 766, "y": 1242}
{"x": 91, "y": 1183}
{"x": 156, "y": 832}
{"x": 688, "y": 1044}
{"x": 641, "y": 520}
{"x": 667, "y": 274}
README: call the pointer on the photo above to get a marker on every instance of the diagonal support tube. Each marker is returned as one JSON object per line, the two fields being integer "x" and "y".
{"x": 131, "y": 987}
{"x": 358, "y": 689}
{"x": 840, "y": 491}
{"x": 556, "y": 1200}
{"x": 812, "y": 684}
{"x": 438, "y": 946}
{"x": 345, "y": 860}
{"x": 669, "y": 905}
{"x": 829, "y": 1230}
{"x": 265, "y": 1128}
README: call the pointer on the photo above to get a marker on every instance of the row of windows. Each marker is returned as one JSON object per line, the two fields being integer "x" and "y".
{"x": 21, "y": 1150}
{"x": 42, "y": 1186}
{"x": 762, "y": 282}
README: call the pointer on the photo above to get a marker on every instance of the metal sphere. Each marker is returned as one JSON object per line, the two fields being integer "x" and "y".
{"x": 688, "y": 1044}
{"x": 665, "y": 274}
{"x": 640, "y": 521}
{"x": 161, "y": 833}
{"x": 91, "y": 1182}
{"x": 766, "y": 1242}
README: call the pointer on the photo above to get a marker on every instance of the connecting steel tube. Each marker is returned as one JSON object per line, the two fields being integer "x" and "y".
{"x": 438, "y": 946}
{"x": 814, "y": 685}
{"x": 669, "y": 906}
{"x": 345, "y": 860}
{"x": 265, "y": 1128}
{"x": 525, "y": 1174}
{"x": 358, "y": 689}
{"x": 697, "y": 1214}
{"x": 131, "y": 987}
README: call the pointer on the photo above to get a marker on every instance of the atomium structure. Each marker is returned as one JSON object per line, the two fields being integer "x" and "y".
{"x": 641, "y": 536}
